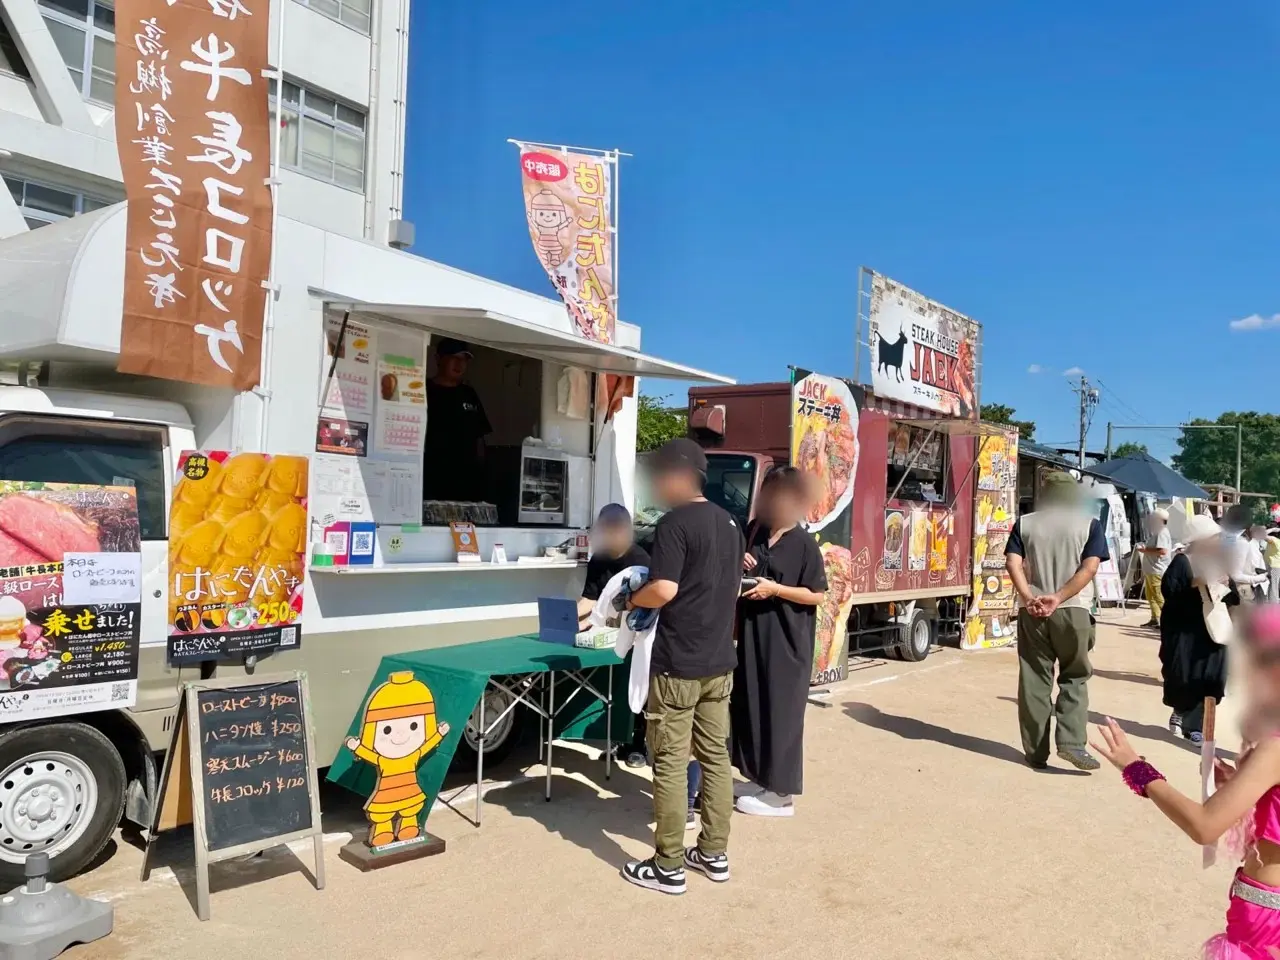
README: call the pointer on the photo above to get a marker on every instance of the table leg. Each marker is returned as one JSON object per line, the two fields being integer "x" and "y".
{"x": 542, "y": 699}
{"x": 551, "y": 714}
{"x": 480, "y": 753}
{"x": 608, "y": 726}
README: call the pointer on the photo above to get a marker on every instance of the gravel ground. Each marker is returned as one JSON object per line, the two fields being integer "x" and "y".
{"x": 921, "y": 833}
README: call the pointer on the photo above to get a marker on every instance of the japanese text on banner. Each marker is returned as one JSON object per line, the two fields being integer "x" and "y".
{"x": 192, "y": 128}
{"x": 568, "y": 199}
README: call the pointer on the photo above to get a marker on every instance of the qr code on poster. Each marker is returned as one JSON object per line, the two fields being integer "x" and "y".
{"x": 362, "y": 542}
{"x": 288, "y": 636}
{"x": 119, "y": 691}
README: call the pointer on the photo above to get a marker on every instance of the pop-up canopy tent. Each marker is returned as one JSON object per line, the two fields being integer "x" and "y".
{"x": 1145, "y": 474}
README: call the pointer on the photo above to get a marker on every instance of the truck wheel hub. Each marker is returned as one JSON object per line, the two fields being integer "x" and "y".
{"x": 46, "y": 802}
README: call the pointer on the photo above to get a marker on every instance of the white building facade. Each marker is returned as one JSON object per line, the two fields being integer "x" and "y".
{"x": 345, "y": 64}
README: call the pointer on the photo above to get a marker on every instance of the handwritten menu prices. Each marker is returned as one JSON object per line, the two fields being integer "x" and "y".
{"x": 254, "y": 767}
{"x": 401, "y": 429}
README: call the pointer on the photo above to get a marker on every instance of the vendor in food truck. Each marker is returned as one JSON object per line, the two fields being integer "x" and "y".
{"x": 453, "y": 454}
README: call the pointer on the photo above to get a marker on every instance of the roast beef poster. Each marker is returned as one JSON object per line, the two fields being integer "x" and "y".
{"x": 56, "y": 658}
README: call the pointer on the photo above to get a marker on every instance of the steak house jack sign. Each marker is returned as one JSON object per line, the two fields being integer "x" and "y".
{"x": 922, "y": 352}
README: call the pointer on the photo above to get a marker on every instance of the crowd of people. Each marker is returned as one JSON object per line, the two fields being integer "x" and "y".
{"x": 732, "y": 652}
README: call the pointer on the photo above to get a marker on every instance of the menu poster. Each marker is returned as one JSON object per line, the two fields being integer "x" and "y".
{"x": 991, "y": 619}
{"x": 60, "y": 657}
{"x": 348, "y": 393}
{"x": 402, "y": 380}
{"x": 240, "y": 767}
{"x": 401, "y": 430}
{"x": 237, "y": 537}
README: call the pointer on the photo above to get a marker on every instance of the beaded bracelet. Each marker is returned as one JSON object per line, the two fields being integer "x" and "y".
{"x": 1139, "y": 775}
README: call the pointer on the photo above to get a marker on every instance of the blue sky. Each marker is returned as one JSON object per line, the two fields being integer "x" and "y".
{"x": 1096, "y": 183}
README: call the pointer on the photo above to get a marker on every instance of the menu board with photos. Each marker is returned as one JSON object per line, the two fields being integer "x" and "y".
{"x": 991, "y": 620}
{"x": 370, "y": 431}
{"x": 70, "y": 598}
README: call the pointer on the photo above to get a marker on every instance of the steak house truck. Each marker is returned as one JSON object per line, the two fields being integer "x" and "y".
{"x": 895, "y": 512}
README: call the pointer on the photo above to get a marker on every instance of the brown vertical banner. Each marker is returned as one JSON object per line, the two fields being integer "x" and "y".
{"x": 193, "y": 131}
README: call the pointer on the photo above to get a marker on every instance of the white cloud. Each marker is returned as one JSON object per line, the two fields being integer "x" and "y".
{"x": 1072, "y": 372}
{"x": 1035, "y": 368}
{"x": 1255, "y": 321}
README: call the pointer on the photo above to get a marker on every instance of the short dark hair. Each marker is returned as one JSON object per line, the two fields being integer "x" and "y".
{"x": 614, "y": 515}
{"x": 786, "y": 480}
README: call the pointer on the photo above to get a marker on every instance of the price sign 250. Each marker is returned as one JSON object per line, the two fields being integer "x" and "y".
{"x": 275, "y": 612}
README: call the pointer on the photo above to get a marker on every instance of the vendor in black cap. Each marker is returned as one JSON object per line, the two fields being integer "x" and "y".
{"x": 453, "y": 457}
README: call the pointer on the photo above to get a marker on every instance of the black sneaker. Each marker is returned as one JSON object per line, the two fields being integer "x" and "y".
{"x": 1079, "y": 758}
{"x": 647, "y": 874}
{"x": 713, "y": 868}
{"x": 1036, "y": 764}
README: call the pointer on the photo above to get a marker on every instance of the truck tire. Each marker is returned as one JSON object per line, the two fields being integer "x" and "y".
{"x": 501, "y": 740}
{"x": 917, "y": 637}
{"x": 62, "y": 791}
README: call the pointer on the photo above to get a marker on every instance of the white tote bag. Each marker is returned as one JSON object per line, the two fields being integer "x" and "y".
{"x": 1216, "y": 616}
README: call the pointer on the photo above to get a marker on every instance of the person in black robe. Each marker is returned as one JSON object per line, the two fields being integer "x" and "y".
{"x": 1192, "y": 665}
{"x": 776, "y": 621}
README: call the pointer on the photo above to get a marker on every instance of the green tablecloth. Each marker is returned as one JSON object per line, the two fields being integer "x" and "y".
{"x": 458, "y": 675}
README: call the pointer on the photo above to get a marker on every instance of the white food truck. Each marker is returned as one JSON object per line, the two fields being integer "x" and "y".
{"x": 70, "y": 417}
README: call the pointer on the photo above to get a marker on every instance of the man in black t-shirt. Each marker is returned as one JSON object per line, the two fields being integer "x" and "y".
{"x": 695, "y": 575}
{"x": 453, "y": 454}
{"x": 613, "y": 549}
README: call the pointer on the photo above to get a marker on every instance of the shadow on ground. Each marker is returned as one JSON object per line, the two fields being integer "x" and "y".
{"x": 909, "y": 728}
{"x": 1128, "y": 676}
{"x": 621, "y": 806}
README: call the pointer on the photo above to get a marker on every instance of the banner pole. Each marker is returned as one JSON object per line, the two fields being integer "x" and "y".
{"x": 273, "y": 275}
{"x": 617, "y": 234}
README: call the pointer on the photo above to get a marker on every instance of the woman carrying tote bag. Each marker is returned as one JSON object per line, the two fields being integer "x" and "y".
{"x": 1195, "y": 627}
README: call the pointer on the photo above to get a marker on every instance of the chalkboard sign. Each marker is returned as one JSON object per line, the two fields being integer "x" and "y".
{"x": 253, "y": 753}
{"x": 241, "y": 768}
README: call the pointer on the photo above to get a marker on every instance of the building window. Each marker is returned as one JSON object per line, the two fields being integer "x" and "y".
{"x": 42, "y": 204}
{"x": 354, "y": 13}
{"x": 84, "y": 32}
{"x": 10, "y": 56}
{"x": 321, "y": 137}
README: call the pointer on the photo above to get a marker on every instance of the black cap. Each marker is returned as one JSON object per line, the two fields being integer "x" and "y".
{"x": 680, "y": 454}
{"x": 449, "y": 347}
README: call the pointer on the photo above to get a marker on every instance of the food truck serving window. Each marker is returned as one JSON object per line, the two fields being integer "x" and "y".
{"x": 415, "y": 427}
{"x": 917, "y": 463}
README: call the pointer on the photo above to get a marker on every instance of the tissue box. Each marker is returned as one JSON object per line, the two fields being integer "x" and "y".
{"x": 597, "y": 638}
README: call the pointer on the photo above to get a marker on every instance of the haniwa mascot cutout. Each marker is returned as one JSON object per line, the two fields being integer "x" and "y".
{"x": 398, "y": 732}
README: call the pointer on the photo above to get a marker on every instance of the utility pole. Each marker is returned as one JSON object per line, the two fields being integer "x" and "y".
{"x": 1088, "y": 401}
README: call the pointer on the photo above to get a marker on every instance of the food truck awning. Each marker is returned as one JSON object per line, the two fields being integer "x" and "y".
{"x": 501, "y": 332}
{"x": 961, "y": 426}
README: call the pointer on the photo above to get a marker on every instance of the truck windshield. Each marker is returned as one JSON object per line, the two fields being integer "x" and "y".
{"x": 731, "y": 481}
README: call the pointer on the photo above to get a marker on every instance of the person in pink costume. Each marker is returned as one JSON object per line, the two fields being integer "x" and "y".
{"x": 1245, "y": 809}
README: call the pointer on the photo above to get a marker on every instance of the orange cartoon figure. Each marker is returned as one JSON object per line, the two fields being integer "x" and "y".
{"x": 398, "y": 731}
{"x": 548, "y": 216}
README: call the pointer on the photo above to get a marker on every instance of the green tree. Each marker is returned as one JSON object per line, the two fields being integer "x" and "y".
{"x": 1129, "y": 447}
{"x": 999, "y": 413}
{"x": 1209, "y": 456}
{"x": 656, "y": 423}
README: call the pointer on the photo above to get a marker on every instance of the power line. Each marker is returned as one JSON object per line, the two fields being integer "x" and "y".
{"x": 1119, "y": 399}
